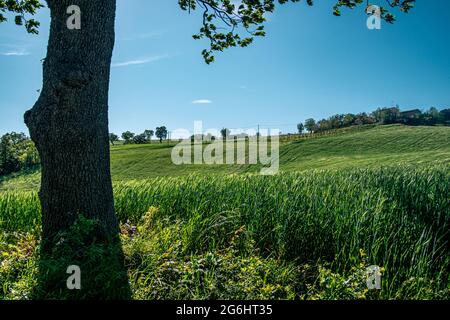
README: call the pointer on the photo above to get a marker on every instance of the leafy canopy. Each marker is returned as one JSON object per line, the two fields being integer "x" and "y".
{"x": 226, "y": 23}
{"x": 224, "y": 20}
{"x": 21, "y": 8}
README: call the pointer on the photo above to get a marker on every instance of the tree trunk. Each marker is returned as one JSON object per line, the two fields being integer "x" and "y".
{"x": 69, "y": 122}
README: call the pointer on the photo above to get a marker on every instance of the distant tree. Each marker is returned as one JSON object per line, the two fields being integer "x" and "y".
{"x": 431, "y": 117}
{"x": 128, "y": 136}
{"x": 433, "y": 112}
{"x": 149, "y": 134}
{"x": 9, "y": 163}
{"x": 336, "y": 121}
{"x": 363, "y": 118}
{"x": 378, "y": 115}
{"x": 225, "y": 133}
{"x": 349, "y": 120}
{"x": 423, "y": 119}
{"x": 387, "y": 115}
{"x": 300, "y": 128}
{"x": 161, "y": 133}
{"x": 113, "y": 138}
{"x": 310, "y": 124}
{"x": 323, "y": 125}
{"x": 445, "y": 116}
{"x": 140, "y": 138}
{"x": 17, "y": 152}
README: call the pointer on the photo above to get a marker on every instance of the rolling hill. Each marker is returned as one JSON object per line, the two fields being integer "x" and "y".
{"x": 370, "y": 147}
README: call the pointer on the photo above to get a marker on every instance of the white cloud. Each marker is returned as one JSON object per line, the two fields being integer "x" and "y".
{"x": 138, "y": 61}
{"x": 16, "y": 53}
{"x": 202, "y": 101}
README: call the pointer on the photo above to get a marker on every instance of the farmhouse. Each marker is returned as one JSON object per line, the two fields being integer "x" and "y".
{"x": 411, "y": 114}
{"x": 410, "y": 117}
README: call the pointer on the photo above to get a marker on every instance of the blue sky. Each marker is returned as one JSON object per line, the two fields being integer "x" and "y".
{"x": 311, "y": 64}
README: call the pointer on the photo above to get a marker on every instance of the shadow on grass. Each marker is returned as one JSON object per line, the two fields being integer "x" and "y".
{"x": 102, "y": 274}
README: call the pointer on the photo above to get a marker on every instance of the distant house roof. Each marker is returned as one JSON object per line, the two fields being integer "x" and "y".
{"x": 411, "y": 113}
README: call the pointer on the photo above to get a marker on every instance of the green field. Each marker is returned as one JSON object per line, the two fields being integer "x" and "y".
{"x": 377, "y": 196}
{"x": 369, "y": 147}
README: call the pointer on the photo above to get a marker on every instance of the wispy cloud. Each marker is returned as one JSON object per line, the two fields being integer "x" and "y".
{"x": 202, "y": 101}
{"x": 16, "y": 53}
{"x": 138, "y": 61}
{"x": 148, "y": 35}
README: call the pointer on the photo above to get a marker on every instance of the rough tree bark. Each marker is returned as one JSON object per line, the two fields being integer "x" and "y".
{"x": 69, "y": 122}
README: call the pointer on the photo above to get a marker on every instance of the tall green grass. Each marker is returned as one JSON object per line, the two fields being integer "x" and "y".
{"x": 398, "y": 216}
{"x": 19, "y": 211}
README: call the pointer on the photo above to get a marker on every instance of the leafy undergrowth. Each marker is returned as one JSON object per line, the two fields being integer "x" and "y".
{"x": 161, "y": 267}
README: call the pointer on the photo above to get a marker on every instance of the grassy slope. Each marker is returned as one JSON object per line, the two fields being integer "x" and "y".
{"x": 154, "y": 160}
{"x": 372, "y": 147}
{"x": 382, "y": 145}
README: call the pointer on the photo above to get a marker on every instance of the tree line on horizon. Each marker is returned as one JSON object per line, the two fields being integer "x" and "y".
{"x": 390, "y": 115}
{"x": 129, "y": 137}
